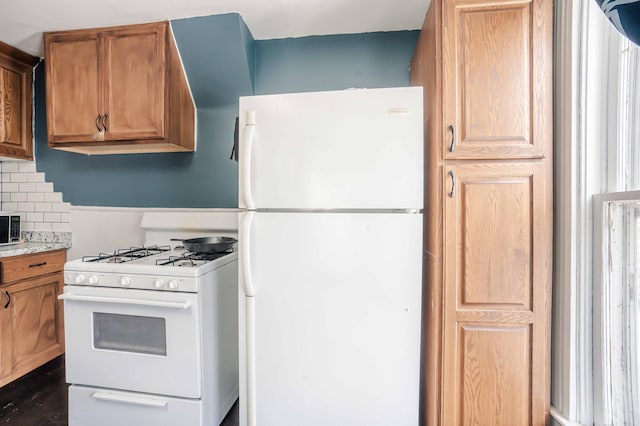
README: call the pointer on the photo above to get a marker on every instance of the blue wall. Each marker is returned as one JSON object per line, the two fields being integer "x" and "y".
{"x": 207, "y": 178}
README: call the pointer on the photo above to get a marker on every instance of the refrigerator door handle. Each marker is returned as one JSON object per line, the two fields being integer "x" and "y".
{"x": 245, "y": 158}
{"x": 245, "y": 259}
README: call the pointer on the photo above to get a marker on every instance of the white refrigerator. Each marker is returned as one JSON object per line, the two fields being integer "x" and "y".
{"x": 330, "y": 257}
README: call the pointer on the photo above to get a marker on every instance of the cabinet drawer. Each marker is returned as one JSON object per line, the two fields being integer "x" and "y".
{"x": 32, "y": 265}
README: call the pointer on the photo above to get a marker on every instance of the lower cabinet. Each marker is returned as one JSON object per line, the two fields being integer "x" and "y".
{"x": 497, "y": 252}
{"x": 31, "y": 316}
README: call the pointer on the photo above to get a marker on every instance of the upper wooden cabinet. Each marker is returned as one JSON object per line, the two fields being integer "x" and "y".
{"x": 494, "y": 79}
{"x": 16, "y": 103}
{"x": 117, "y": 90}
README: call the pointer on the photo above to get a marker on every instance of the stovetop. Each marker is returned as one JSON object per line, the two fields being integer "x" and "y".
{"x": 156, "y": 260}
{"x": 160, "y": 255}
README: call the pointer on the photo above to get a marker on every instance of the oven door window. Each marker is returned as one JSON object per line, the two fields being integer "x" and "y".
{"x": 130, "y": 333}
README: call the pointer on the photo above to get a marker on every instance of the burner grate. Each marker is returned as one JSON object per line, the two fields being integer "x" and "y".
{"x": 191, "y": 258}
{"x": 126, "y": 255}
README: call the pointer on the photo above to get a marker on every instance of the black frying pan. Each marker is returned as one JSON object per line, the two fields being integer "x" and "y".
{"x": 207, "y": 244}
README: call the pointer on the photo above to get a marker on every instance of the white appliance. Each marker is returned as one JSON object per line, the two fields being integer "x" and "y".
{"x": 330, "y": 258}
{"x": 152, "y": 332}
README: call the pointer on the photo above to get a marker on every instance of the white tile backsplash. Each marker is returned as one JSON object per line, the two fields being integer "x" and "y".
{"x": 26, "y": 191}
{"x": 34, "y": 217}
{"x": 42, "y": 226}
{"x": 16, "y": 196}
{"x": 42, "y": 207}
{"x": 28, "y": 187}
{"x": 18, "y": 177}
{"x": 34, "y": 177}
{"x": 44, "y": 187}
{"x": 8, "y": 187}
{"x": 51, "y": 217}
{"x": 24, "y": 207}
{"x": 52, "y": 197}
{"x": 31, "y": 196}
{"x": 27, "y": 167}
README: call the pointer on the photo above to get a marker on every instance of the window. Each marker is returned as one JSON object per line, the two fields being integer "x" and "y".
{"x": 616, "y": 217}
{"x": 597, "y": 168}
{"x": 616, "y": 313}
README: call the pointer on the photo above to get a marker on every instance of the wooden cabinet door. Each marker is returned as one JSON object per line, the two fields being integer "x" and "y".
{"x": 73, "y": 84}
{"x": 16, "y": 79}
{"x": 497, "y": 240}
{"x": 6, "y": 337}
{"x": 496, "y": 79}
{"x": 11, "y": 96}
{"x": 37, "y": 323}
{"x": 134, "y": 90}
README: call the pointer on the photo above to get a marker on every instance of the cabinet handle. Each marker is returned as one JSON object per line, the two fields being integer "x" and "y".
{"x": 453, "y": 183}
{"x": 6, "y": 305}
{"x": 35, "y": 265}
{"x": 453, "y": 137}
{"x": 98, "y": 122}
{"x": 104, "y": 122}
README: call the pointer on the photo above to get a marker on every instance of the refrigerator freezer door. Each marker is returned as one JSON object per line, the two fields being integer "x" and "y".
{"x": 350, "y": 149}
{"x": 333, "y": 332}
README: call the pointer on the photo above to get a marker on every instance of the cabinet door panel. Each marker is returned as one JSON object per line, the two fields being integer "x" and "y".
{"x": 497, "y": 229}
{"x": 491, "y": 87}
{"x": 6, "y": 338}
{"x": 11, "y": 120}
{"x": 34, "y": 310}
{"x": 16, "y": 138}
{"x": 494, "y": 377}
{"x": 134, "y": 82}
{"x": 73, "y": 87}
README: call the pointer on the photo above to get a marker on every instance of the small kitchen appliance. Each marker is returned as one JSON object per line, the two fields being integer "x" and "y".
{"x": 9, "y": 228}
{"x": 152, "y": 331}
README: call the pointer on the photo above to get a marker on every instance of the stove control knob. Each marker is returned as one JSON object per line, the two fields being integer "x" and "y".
{"x": 173, "y": 284}
{"x": 93, "y": 279}
{"x": 79, "y": 279}
{"x": 125, "y": 281}
{"x": 158, "y": 283}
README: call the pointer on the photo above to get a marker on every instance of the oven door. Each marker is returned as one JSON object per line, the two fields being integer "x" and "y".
{"x": 137, "y": 340}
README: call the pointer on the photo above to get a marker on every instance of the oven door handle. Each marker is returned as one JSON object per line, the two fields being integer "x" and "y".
{"x": 125, "y": 301}
{"x": 127, "y": 399}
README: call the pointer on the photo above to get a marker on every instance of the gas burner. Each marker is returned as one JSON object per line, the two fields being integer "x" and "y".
{"x": 126, "y": 255}
{"x": 190, "y": 259}
{"x": 208, "y": 256}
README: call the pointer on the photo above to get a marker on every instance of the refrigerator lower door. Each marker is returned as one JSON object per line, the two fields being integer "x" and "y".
{"x": 331, "y": 335}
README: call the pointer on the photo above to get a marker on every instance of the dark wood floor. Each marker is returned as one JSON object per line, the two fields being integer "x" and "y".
{"x": 40, "y": 398}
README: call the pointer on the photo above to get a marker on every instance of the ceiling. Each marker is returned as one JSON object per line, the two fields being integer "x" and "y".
{"x": 23, "y": 22}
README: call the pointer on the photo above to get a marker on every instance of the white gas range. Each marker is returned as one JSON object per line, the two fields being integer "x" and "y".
{"x": 152, "y": 332}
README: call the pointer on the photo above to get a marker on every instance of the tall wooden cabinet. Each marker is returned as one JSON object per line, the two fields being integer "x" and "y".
{"x": 486, "y": 70}
{"x": 117, "y": 90}
{"x": 16, "y": 103}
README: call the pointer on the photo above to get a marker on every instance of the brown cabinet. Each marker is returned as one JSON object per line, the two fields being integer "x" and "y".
{"x": 117, "y": 90}
{"x": 16, "y": 103}
{"x": 31, "y": 316}
{"x": 486, "y": 69}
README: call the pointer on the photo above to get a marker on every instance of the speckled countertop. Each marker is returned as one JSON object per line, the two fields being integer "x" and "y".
{"x": 32, "y": 247}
